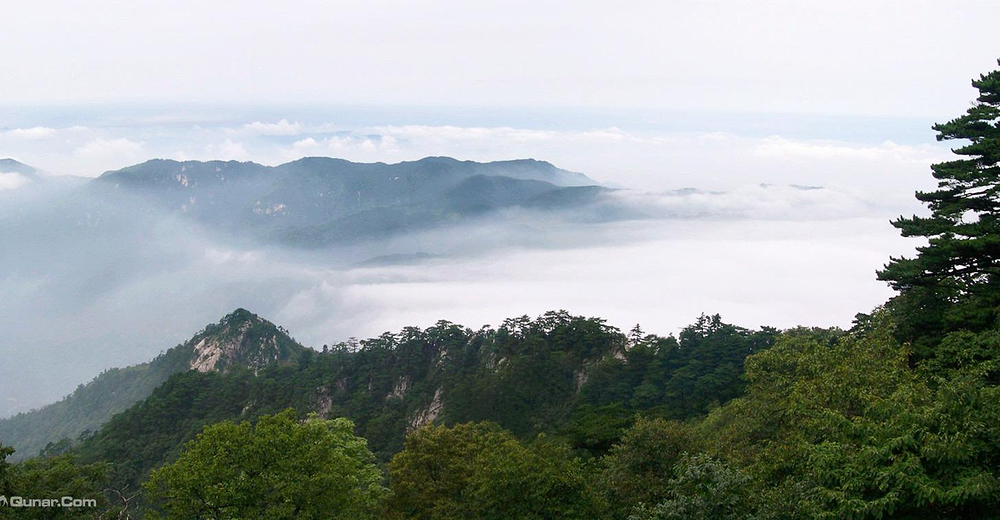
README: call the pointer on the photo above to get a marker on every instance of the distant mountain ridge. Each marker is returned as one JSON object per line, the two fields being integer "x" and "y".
{"x": 9, "y": 165}
{"x": 205, "y": 171}
{"x": 318, "y": 201}
{"x": 240, "y": 339}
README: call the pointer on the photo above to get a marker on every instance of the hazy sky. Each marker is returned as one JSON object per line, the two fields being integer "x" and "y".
{"x": 895, "y": 58}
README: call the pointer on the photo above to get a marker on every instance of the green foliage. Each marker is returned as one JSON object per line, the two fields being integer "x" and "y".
{"x": 88, "y": 406}
{"x": 528, "y": 372}
{"x": 637, "y": 470}
{"x": 593, "y": 430}
{"x": 678, "y": 379}
{"x": 529, "y": 376}
{"x": 477, "y": 470}
{"x": 428, "y": 478}
{"x": 5, "y": 484}
{"x": 703, "y": 488}
{"x": 964, "y": 352}
{"x": 53, "y": 478}
{"x": 276, "y": 468}
{"x": 542, "y": 480}
{"x": 154, "y": 430}
{"x": 853, "y": 431}
{"x": 53, "y": 449}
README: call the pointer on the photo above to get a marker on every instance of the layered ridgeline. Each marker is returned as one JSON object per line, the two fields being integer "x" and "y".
{"x": 241, "y": 339}
{"x": 569, "y": 376}
{"x": 319, "y": 201}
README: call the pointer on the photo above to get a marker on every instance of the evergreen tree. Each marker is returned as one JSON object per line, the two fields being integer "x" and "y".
{"x": 961, "y": 262}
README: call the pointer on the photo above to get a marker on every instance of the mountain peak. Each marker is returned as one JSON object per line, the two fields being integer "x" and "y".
{"x": 8, "y": 165}
{"x": 241, "y": 338}
{"x": 239, "y": 316}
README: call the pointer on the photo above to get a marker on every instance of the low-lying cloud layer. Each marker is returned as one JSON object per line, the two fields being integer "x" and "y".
{"x": 87, "y": 286}
{"x": 762, "y": 229}
{"x": 12, "y": 180}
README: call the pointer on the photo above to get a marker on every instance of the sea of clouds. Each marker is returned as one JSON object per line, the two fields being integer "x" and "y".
{"x": 764, "y": 229}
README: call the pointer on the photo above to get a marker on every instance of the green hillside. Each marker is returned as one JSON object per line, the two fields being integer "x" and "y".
{"x": 241, "y": 339}
{"x": 558, "y": 374}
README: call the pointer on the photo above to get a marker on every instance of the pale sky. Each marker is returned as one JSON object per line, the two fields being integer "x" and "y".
{"x": 890, "y": 58}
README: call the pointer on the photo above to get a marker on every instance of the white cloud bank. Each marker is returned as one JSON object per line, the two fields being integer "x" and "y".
{"x": 12, "y": 181}
{"x": 778, "y": 147}
{"x": 282, "y": 127}
{"x": 109, "y": 149}
{"x": 35, "y": 132}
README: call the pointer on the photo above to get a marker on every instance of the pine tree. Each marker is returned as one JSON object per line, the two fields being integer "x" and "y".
{"x": 961, "y": 262}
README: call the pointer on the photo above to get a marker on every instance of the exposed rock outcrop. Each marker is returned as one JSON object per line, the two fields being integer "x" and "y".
{"x": 241, "y": 339}
{"x": 427, "y": 414}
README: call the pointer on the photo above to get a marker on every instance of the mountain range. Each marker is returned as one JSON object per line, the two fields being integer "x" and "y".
{"x": 319, "y": 201}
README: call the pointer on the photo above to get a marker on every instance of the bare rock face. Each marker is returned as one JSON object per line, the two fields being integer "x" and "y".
{"x": 241, "y": 339}
{"x": 399, "y": 391}
{"x": 323, "y": 402}
{"x": 427, "y": 415}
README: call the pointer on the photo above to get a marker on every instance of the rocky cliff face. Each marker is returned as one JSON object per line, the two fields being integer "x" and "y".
{"x": 426, "y": 415}
{"x": 241, "y": 339}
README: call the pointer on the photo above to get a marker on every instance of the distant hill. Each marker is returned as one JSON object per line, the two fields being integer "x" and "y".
{"x": 317, "y": 201}
{"x": 240, "y": 339}
{"x": 11, "y": 166}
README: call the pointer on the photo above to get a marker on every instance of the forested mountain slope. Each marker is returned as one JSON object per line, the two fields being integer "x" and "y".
{"x": 240, "y": 339}
{"x": 566, "y": 375}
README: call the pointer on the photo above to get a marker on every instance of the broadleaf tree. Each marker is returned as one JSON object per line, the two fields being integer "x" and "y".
{"x": 276, "y": 468}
